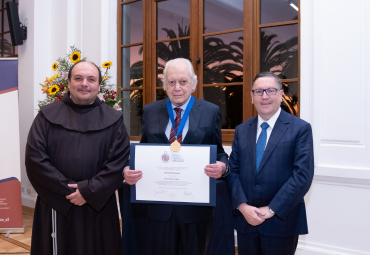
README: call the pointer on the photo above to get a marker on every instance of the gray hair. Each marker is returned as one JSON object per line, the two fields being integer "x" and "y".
{"x": 268, "y": 74}
{"x": 193, "y": 77}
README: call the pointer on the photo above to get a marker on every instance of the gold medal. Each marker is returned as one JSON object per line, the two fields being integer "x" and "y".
{"x": 175, "y": 146}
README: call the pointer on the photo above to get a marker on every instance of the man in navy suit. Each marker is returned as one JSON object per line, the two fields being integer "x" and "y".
{"x": 181, "y": 229}
{"x": 271, "y": 169}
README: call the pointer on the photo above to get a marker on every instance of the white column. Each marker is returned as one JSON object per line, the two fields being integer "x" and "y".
{"x": 34, "y": 66}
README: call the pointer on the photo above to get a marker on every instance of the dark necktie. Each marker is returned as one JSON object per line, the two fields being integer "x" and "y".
{"x": 261, "y": 144}
{"x": 177, "y": 123}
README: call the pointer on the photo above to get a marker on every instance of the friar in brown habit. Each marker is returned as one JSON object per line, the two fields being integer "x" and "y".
{"x": 76, "y": 150}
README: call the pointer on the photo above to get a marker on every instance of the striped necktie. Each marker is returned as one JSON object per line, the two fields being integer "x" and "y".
{"x": 177, "y": 123}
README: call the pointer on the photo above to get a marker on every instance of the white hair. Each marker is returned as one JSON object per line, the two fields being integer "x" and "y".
{"x": 193, "y": 77}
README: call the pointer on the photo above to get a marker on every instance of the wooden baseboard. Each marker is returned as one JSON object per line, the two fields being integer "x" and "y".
{"x": 28, "y": 210}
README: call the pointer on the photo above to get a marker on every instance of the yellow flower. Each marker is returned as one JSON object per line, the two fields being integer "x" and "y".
{"x": 107, "y": 64}
{"x": 104, "y": 78}
{"x": 54, "y": 76}
{"x": 53, "y": 90}
{"x": 47, "y": 80}
{"x": 55, "y": 66}
{"x": 75, "y": 57}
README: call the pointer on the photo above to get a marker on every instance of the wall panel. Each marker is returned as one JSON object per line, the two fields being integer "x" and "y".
{"x": 339, "y": 52}
{"x": 335, "y": 38}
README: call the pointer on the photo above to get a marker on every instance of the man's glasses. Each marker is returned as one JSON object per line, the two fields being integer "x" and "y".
{"x": 269, "y": 92}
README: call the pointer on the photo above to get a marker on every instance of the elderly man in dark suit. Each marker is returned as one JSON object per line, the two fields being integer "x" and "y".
{"x": 181, "y": 229}
{"x": 271, "y": 169}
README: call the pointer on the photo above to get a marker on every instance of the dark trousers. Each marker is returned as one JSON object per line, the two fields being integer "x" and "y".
{"x": 257, "y": 244}
{"x": 175, "y": 237}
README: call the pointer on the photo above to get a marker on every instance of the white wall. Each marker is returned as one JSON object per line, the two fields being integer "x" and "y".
{"x": 335, "y": 41}
{"x": 54, "y": 26}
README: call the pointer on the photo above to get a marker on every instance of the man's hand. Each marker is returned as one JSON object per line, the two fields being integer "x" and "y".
{"x": 76, "y": 197}
{"x": 266, "y": 213}
{"x": 132, "y": 176}
{"x": 251, "y": 214}
{"x": 215, "y": 170}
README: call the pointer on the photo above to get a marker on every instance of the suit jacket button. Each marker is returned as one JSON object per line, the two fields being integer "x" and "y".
{"x": 257, "y": 183}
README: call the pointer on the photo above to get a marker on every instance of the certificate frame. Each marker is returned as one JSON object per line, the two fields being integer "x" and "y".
{"x": 212, "y": 181}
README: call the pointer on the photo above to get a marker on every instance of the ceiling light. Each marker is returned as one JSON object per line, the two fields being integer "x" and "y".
{"x": 295, "y": 7}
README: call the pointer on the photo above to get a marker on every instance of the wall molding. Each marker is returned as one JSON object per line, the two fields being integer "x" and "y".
{"x": 354, "y": 177}
{"x": 349, "y": 172}
{"x": 343, "y": 143}
{"x": 339, "y": 181}
{"x": 316, "y": 248}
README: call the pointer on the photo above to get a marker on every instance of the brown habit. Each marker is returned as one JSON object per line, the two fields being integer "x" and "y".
{"x": 83, "y": 144}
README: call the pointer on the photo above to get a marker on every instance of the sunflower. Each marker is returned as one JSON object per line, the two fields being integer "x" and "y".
{"x": 107, "y": 64}
{"x": 55, "y": 66}
{"x": 53, "y": 90}
{"x": 75, "y": 57}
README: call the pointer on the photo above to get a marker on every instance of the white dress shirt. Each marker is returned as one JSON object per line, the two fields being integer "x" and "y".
{"x": 271, "y": 123}
{"x": 186, "y": 127}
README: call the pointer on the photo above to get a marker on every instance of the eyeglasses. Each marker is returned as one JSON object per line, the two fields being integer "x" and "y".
{"x": 269, "y": 92}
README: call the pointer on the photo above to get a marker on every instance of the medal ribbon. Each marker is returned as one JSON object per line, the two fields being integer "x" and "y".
{"x": 184, "y": 117}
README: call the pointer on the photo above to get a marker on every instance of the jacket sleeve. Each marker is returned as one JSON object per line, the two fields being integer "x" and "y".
{"x": 236, "y": 191}
{"x": 143, "y": 130}
{"x": 50, "y": 184}
{"x": 221, "y": 154}
{"x": 97, "y": 190}
{"x": 294, "y": 189}
{"x": 143, "y": 137}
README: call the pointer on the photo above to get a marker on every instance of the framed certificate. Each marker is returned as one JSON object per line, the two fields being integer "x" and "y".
{"x": 173, "y": 177}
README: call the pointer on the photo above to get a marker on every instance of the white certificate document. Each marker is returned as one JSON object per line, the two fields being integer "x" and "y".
{"x": 173, "y": 176}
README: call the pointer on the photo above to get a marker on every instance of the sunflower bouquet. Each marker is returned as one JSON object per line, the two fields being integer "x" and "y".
{"x": 57, "y": 85}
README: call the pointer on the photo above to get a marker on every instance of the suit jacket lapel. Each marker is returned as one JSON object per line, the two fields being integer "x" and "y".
{"x": 163, "y": 121}
{"x": 194, "y": 118}
{"x": 251, "y": 134}
{"x": 278, "y": 131}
